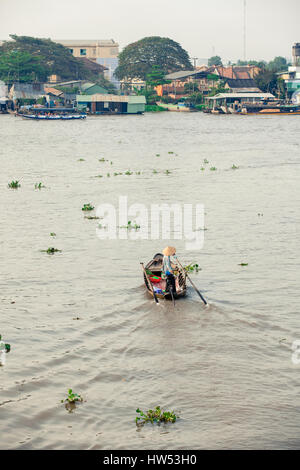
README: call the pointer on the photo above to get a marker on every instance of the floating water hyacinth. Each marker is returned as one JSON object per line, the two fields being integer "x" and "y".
{"x": 72, "y": 397}
{"x": 87, "y": 207}
{"x": 131, "y": 226}
{"x": 192, "y": 267}
{"x": 155, "y": 416}
{"x": 14, "y": 184}
{"x": 39, "y": 186}
{"x": 51, "y": 251}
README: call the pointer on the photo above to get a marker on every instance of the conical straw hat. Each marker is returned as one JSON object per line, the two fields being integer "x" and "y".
{"x": 169, "y": 251}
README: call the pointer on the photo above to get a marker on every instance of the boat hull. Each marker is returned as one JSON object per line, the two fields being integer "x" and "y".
{"x": 51, "y": 118}
{"x": 155, "y": 266}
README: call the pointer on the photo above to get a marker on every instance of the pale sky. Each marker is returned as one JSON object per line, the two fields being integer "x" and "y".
{"x": 202, "y": 27}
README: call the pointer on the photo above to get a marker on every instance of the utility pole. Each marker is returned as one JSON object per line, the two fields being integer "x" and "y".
{"x": 245, "y": 24}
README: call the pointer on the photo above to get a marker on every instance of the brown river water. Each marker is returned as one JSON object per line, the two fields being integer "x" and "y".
{"x": 81, "y": 318}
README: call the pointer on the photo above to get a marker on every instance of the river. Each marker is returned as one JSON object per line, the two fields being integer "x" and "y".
{"x": 81, "y": 318}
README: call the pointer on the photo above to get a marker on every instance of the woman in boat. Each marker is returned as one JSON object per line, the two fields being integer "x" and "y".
{"x": 168, "y": 267}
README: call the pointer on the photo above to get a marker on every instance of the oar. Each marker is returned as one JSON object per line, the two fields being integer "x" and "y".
{"x": 150, "y": 284}
{"x": 198, "y": 292}
{"x": 171, "y": 291}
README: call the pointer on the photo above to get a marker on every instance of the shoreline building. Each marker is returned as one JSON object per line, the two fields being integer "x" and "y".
{"x": 292, "y": 76}
{"x": 91, "y": 49}
{"x": 103, "y": 52}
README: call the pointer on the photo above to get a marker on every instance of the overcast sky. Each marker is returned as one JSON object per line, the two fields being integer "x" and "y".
{"x": 204, "y": 28}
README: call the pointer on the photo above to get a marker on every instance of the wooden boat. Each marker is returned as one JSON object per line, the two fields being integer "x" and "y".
{"x": 155, "y": 267}
{"x": 53, "y": 118}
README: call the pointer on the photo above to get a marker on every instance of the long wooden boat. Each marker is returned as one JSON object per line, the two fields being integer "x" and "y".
{"x": 155, "y": 267}
{"x": 53, "y": 118}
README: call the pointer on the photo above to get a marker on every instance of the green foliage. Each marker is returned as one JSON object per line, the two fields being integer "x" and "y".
{"x": 33, "y": 59}
{"x": 195, "y": 98}
{"x": 51, "y": 251}
{"x": 234, "y": 167}
{"x": 215, "y": 60}
{"x": 6, "y": 345}
{"x": 87, "y": 207}
{"x": 266, "y": 80}
{"x": 154, "y": 108}
{"x": 192, "y": 268}
{"x": 191, "y": 87}
{"x": 52, "y": 234}
{"x": 39, "y": 186}
{"x": 155, "y": 416}
{"x": 138, "y": 58}
{"x": 156, "y": 77}
{"x": 256, "y": 63}
{"x": 72, "y": 397}
{"x": 244, "y": 264}
{"x": 18, "y": 65}
{"x": 14, "y": 184}
{"x": 278, "y": 64}
{"x": 131, "y": 226}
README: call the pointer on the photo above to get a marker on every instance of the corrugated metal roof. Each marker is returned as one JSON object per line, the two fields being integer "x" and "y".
{"x": 53, "y": 91}
{"x": 133, "y": 99}
{"x": 241, "y": 95}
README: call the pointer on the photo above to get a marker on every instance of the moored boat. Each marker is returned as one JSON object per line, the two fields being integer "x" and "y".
{"x": 52, "y": 117}
{"x": 154, "y": 281}
{"x": 50, "y": 114}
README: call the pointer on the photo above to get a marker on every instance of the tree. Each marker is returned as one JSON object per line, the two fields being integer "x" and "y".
{"x": 156, "y": 77}
{"x": 266, "y": 80}
{"x": 138, "y": 58}
{"x": 256, "y": 63}
{"x": 191, "y": 87}
{"x": 22, "y": 66}
{"x": 54, "y": 58}
{"x": 153, "y": 79}
{"x": 215, "y": 60}
{"x": 195, "y": 98}
{"x": 278, "y": 64}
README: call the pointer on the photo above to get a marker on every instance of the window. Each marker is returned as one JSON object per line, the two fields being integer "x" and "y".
{"x": 71, "y": 50}
{"x": 82, "y": 51}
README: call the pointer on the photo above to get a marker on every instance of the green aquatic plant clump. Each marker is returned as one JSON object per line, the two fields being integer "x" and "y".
{"x": 192, "y": 268}
{"x": 155, "y": 416}
{"x": 87, "y": 207}
{"x": 6, "y": 345}
{"x": 51, "y": 251}
{"x": 39, "y": 186}
{"x": 72, "y": 397}
{"x": 131, "y": 226}
{"x": 14, "y": 184}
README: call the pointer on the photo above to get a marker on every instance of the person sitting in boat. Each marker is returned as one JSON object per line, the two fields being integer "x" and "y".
{"x": 168, "y": 268}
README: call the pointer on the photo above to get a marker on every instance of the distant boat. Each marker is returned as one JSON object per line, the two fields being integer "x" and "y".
{"x": 50, "y": 114}
{"x": 52, "y": 118}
